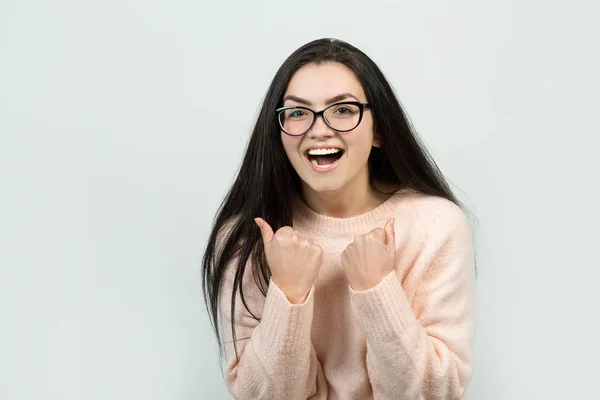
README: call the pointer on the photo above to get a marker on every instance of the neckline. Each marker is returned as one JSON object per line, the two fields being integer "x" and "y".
{"x": 306, "y": 217}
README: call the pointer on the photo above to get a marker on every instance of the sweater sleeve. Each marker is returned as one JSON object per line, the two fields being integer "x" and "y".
{"x": 276, "y": 357}
{"x": 422, "y": 349}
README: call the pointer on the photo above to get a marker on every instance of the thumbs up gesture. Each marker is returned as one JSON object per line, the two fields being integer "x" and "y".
{"x": 370, "y": 258}
{"x": 294, "y": 260}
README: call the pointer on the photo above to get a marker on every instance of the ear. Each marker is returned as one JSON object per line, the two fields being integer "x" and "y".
{"x": 376, "y": 141}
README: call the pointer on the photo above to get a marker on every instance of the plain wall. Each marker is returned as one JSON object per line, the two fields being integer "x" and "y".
{"x": 122, "y": 124}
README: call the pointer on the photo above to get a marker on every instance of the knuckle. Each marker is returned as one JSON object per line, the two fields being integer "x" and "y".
{"x": 344, "y": 256}
{"x": 284, "y": 230}
{"x": 376, "y": 234}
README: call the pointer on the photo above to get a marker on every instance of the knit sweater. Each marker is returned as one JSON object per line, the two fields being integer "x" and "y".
{"x": 408, "y": 337}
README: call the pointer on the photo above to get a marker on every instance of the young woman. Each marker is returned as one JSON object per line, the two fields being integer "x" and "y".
{"x": 340, "y": 264}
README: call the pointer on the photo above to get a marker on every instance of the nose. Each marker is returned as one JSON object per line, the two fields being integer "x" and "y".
{"x": 320, "y": 129}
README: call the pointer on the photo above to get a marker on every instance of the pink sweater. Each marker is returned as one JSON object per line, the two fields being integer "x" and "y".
{"x": 409, "y": 337}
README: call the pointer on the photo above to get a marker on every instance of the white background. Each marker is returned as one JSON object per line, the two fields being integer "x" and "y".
{"x": 122, "y": 124}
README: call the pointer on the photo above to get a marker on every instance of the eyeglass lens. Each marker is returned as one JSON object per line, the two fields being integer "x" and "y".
{"x": 341, "y": 117}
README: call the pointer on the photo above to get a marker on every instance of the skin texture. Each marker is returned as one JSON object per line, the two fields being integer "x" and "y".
{"x": 370, "y": 258}
{"x": 294, "y": 259}
{"x": 344, "y": 191}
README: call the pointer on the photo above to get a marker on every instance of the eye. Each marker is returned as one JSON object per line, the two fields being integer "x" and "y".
{"x": 296, "y": 113}
{"x": 345, "y": 110}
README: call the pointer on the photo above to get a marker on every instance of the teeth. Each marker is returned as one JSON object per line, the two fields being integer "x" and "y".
{"x": 322, "y": 152}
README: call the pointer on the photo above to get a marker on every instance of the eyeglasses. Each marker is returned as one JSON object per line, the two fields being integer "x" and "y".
{"x": 341, "y": 117}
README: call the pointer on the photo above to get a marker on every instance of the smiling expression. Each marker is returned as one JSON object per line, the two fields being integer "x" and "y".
{"x": 325, "y": 159}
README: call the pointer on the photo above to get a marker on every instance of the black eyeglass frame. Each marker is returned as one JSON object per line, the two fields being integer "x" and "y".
{"x": 361, "y": 106}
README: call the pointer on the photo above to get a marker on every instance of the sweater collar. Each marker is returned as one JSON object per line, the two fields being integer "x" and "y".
{"x": 310, "y": 221}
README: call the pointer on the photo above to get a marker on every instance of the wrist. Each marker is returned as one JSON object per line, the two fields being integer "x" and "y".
{"x": 298, "y": 299}
{"x": 365, "y": 285}
{"x": 293, "y": 295}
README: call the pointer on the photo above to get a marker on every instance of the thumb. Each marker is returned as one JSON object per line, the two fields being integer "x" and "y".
{"x": 265, "y": 230}
{"x": 390, "y": 235}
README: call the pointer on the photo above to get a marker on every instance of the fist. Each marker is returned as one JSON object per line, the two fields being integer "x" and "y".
{"x": 370, "y": 258}
{"x": 294, "y": 260}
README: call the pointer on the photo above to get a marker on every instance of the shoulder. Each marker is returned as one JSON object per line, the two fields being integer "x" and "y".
{"x": 225, "y": 230}
{"x": 433, "y": 216}
{"x": 226, "y": 250}
{"x": 432, "y": 233}
{"x": 435, "y": 209}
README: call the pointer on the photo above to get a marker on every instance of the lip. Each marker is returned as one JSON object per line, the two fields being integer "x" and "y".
{"x": 327, "y": 168}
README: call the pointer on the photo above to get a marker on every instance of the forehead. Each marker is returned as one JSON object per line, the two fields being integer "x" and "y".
{"x": 317, "y": 82}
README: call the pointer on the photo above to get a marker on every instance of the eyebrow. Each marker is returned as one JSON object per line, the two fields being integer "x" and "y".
{"x": 334, "y": 99}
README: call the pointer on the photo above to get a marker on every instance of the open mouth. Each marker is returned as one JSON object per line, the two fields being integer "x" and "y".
{"x": 324, "y": 157}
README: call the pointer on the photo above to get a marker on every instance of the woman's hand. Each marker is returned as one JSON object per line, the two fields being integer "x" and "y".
{"x": 294, "y": 260}
{"x": 370, "y": 258}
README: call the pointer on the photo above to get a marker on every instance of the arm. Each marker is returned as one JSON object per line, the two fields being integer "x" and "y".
{"x": 276, "y": 357}
{"x": 422, "y": 349}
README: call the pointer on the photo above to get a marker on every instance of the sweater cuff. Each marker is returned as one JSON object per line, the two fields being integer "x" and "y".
{"x": 383, "y": 312}
{"x": 285, "y": 328}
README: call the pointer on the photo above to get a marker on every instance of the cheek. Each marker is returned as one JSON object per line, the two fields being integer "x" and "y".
{"x": 291, "y": 144}
{"x": 360, "y": 143}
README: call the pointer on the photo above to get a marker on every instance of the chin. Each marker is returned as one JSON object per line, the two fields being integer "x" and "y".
{"x": 324, "y": 187}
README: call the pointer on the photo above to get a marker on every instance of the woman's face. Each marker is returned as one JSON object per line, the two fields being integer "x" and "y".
{"x": 316, "y": 87}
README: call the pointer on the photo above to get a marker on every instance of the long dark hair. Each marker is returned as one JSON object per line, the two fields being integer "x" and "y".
{"x": 267, "y": 183}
